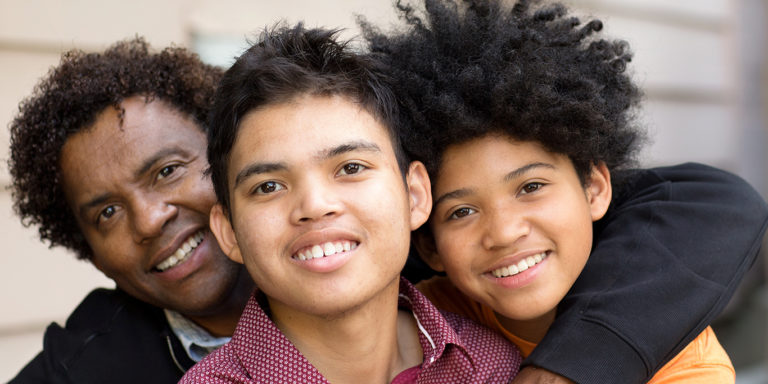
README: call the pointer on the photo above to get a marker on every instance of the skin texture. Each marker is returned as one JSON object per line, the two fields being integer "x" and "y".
{"x": 499, "y": 201}
{"x": 138, "y": 193}
{"x": 315, "y": 170}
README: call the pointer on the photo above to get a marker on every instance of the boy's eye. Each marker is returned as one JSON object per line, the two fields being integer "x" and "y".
{"x": 268, "y": 187}
{"x": 166, "y": 171}
{"x": 461, "y": 212}
{"x": 531, "y": 187}
{"x": 351, "y": 169}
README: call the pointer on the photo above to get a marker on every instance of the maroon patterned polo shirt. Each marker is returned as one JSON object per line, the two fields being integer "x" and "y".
{"x": 456, "y": 350}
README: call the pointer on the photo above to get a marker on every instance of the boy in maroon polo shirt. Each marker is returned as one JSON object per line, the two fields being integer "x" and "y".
{"x": 318, "y": 201}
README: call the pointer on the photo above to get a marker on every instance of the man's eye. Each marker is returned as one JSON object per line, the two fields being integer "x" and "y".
{"x": 461, "y": 212}
{"x": 531, "y": 187}
{"x": 351, "y": 169}
{"x": 166, "y": 171}
{"x": 106, "y": 213}
{"x": 268, "y": 187}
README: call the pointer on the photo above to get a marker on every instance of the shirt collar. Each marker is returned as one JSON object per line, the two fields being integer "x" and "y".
{"x": 435, "y": 333}
{"x": 258, "y": 342}
{"x": 197, "y": 342}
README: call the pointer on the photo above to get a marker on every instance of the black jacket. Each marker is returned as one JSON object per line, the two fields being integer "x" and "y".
{"x": 110, "y": 338}
{"x": 667, "y": 258}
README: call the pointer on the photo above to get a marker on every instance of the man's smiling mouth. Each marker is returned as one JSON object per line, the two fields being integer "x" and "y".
{"x": 324, "y": 249}
{"x": 182, "y": 253}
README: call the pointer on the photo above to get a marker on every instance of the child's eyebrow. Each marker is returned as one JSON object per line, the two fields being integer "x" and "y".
{"x": 459, "y": 193}
{"x": 258, "y": 168}
{"x": 455, "y": 194}
{"x": 526, "y": 168}
{"x": 351, "y": 146}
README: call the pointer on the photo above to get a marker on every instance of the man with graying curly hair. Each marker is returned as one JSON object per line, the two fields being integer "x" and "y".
{"x": 107, "y": 160}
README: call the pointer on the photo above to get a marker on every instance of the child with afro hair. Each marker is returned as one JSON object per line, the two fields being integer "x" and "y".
{"x": 523, "y": 116}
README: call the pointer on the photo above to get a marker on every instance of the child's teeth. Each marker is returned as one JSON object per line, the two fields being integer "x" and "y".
{"x": 521, "y": 266}
{"x": 325, "y": 249}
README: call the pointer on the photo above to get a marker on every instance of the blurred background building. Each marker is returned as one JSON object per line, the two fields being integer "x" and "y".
{"x": 701, "y": 63}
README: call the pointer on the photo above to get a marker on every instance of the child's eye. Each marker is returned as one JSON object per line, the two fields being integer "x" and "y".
{"x": 531, "y": 187}
{"x": 351, "y": 169}
{"x": 461, "y": 212}
{"x": 268, "y": 187}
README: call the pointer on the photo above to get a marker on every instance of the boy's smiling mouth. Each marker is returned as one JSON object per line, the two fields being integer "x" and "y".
{"x": 520, "y": 266}
{"x": 324, "y": 249}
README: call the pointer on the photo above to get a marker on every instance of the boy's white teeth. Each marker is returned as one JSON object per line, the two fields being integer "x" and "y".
{"x": 521, "y": 266}
{"x": 325, "y": 249}
{"x": 181, "y": 254}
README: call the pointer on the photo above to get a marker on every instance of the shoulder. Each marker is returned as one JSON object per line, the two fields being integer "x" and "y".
{"x": 220, "y": 366}
{"x": 487, "y": 349}
{"x": 107, "y": 336}
{"x": 703, "y": 360}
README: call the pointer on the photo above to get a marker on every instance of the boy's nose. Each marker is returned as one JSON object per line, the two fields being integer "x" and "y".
{"x": 315, "y": 201}
{"x": 503, "y": 227}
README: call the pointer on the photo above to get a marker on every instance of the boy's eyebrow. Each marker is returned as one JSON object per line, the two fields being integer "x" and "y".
{"x": 351, "y": 146}
{"x": 459, "y": 193}
{"x": 455, "y": 194}
{"x": 258, "y": 168}
{"x": 526, "y": 168}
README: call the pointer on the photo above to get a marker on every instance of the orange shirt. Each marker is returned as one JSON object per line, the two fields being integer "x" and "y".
{"x": 702, "y": 361}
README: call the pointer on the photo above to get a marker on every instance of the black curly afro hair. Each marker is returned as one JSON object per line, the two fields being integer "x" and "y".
{"x": 465, "y": 69}
{"x": 70, "y": 98}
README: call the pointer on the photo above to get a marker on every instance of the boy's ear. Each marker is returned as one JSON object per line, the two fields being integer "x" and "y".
{"x": 222, "y": 229}
{"x": 420, "y": 194}
{"x": 599, "y": 191}
{"x": 425, "y": 246}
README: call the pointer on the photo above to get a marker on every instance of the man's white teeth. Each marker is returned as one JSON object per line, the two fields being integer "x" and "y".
{"x": 325, "y": 249}
{"x": 521, "y": 266}
{"x": 181, "y": 254}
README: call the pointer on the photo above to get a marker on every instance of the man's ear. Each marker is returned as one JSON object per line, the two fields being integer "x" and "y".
{"x": 225, "y": 235}
{"x": 424, "y": 242}
{"x": 599, "y": 191}
{"x": 419, "y": 193}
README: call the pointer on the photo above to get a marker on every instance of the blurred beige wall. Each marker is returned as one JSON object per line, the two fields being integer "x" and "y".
{"x": 688, "y": 59}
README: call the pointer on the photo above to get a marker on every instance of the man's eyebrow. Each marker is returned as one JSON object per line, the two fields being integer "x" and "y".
{"x": 92, "y": 203}
{"x": 459, "y": 193}
{"x": 152, "y": 160}
{"x": 143, "y": 168}
{"x": 256, "y": 169}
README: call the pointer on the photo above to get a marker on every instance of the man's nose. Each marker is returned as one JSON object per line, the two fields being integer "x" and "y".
{"x": 150, "y": 215}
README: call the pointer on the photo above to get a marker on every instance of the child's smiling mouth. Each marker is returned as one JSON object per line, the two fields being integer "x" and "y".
{"x": 520, "y": 266}
{"x": 324, "y": 249}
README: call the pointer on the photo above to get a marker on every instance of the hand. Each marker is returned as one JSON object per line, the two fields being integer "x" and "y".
{"x": 536, "y": 375}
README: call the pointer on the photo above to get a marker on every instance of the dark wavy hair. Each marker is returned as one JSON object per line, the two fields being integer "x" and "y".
{"x": 70, "y": 98}
{"x": 465, "y": 69}
{"x": 290, "y": 61}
